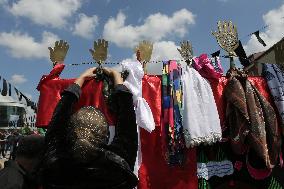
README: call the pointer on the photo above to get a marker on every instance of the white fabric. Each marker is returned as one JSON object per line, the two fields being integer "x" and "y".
{"x": 214, "y": 168}
{"x": 275, "y": 80}
{"x": 201, "y": 121}
{"x": 133, "y": 82}
{"x": 144, "y": 116}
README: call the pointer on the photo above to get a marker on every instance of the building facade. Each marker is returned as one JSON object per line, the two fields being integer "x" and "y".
{"x": 16, "y": 110}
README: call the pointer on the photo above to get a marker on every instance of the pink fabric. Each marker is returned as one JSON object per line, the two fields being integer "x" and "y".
{"x": 203, "y": 65}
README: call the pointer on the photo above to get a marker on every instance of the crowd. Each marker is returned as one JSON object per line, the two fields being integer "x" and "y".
{"x": 8, "y": 144}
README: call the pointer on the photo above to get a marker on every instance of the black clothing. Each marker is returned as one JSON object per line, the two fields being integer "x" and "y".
{"x": 112, "y": 168}
{"x": 14, "y": 176}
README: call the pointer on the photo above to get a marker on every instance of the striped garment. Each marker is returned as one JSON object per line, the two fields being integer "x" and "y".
{"x": 172, "y": 119}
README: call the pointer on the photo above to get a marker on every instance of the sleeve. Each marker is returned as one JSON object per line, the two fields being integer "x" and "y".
{"x": 125, "y": 142}
{"x": 56, "y": 131}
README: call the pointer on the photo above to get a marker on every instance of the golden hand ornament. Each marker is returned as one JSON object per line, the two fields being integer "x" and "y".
{"x": 99, "y": 53}
{"x": 144, "y": 50}
{"x": 185, "y": 50}
{"x": 227, "y": 37}
{"x": 59, "y": 51}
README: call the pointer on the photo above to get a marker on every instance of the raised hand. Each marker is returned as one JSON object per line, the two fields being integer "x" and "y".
{"x": 99, "y": 53}
{"x": 227, "y": 36}
{"x": 87, "y": 74}
{"x": 58, "y": 52}
{"x": 144, "y": 51}
{"x": 185, "y": 50}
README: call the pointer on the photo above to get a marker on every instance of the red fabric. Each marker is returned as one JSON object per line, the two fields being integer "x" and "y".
{"x": 154, "y": 172}
{"x": 151, "y": 92}
{"x": 51, "y": 86}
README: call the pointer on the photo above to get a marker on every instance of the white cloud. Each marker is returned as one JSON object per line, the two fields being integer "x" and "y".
{"x": 155, "y": 28}
{"x": 163, "y": 50}
{"x": 52, "y": 12}
{"x": 18, "y": 79}
{"x": 272, "y": 34}
{"x": 85, "y": 27}
{"x": 21, "y": 45}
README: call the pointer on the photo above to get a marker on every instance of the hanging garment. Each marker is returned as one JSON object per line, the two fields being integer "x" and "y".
{"x": 205, "y": 67}
{"x": 251, "y": 121}
{"x": 275, "y": 80}
{"x": 133, "y": 82}
{"x": 201, "y": 121}
{"x": 152, "y": 93}
{"x": 144, "y": 116}
{"x": 155, "y": 172}
{"x": 172, "y": 102}
{"x": 218, "y": 91}
{"x": 242, "y": 175}
{"x": 51, "y": 86}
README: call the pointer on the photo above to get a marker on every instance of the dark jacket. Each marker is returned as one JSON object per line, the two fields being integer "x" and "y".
{"x": 113, "y": 168}
{"x": 14, "y": 176}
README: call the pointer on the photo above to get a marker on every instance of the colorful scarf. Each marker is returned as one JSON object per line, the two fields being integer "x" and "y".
{"x": 172, "y": 103}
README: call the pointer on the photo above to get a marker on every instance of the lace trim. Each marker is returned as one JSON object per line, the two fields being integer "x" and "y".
{"x": 213, "y": 137}
{"x": 213, "y": 168}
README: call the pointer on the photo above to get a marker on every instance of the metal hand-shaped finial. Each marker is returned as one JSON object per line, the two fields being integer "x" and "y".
{"x": 279, "y": 53}
{"x": 99, "y": 53}
{"x": 144, "y": 51}
{"x": 58, "y": 52}
{"x": 186, "y": 50}
{"x": 227, "y": 37}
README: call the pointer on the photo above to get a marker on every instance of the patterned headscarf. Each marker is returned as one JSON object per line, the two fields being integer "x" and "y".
{"x": 251, "y": 120}
{"x": 88, "y": 131}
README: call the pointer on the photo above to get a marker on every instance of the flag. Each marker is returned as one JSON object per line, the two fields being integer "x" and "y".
{"x": 259, "y": 38}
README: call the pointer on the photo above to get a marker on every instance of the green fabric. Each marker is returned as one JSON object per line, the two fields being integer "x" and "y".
{"x": 203, "y": 184}
{"x": 274, "y": 184}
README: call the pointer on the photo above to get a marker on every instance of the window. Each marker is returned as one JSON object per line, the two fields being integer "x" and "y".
{"x": 8, "y": 113}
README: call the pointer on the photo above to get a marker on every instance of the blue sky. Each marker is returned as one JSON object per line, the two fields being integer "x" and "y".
{"x": 28, "y": 27}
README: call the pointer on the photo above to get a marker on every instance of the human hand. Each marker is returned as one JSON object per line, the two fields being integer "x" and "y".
{"x": 99, "y": 53}
{"x": 115, "y": 74}
{"x": 58, "y": 52}
{"x": 87, "y": 74}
